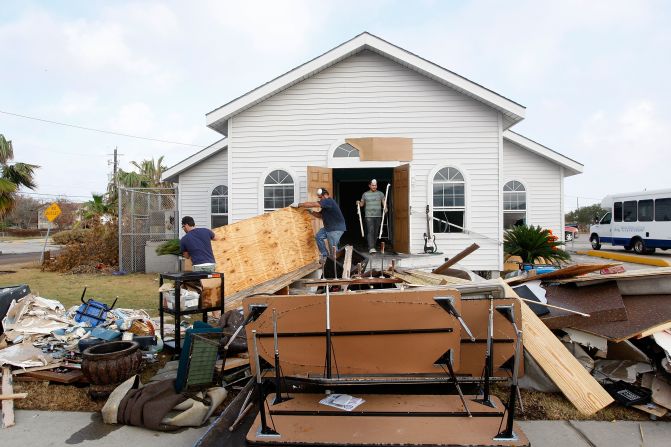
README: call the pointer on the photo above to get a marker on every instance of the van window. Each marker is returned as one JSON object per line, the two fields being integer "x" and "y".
{"x": 663, "y": 210}
{"x": 630, "y": 211}
{"x": 605, "y": 220}
{"x": 645, "y": 210}
{"x": 617, "y": 211}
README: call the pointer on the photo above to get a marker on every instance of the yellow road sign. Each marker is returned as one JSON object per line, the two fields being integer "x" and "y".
{"x": 52, "y": 212}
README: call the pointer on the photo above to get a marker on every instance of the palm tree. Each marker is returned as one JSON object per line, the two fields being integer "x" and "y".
{"x": 96, "y": 208}
{"x": 533, "y": 243}
{"x": 14, "y": 175}
{"x": 152, "y": 170}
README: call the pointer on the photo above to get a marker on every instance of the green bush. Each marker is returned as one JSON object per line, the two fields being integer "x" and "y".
{"x": 170, "y": 247}
{"x": 67, "y": 237}
{"x": 533, "y": 243}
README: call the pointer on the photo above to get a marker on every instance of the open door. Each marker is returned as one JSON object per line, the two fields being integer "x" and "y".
{"x": 319, "y": 177}
{"x": 401, "y": 211}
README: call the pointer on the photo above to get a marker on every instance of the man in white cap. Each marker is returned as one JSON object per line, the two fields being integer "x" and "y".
{"x": 373, "y": 203}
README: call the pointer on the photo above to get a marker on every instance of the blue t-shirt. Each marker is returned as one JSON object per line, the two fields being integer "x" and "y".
{"x": 197, "y": 243}
{"x": 332, "y": 216}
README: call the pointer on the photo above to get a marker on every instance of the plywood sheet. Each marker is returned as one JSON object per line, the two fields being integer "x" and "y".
{"x": 642, "y": 273}
{"x": 646, "y": 313}
{"x": 602, "y": 302}
{"x": 373, "y": 332}
{"x": 260, "y": 249}
{"x": 383, "y": 148}
{"x": 564, "y": 370}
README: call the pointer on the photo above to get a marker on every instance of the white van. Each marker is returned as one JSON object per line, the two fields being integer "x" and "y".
{"x": 640, "y": 221}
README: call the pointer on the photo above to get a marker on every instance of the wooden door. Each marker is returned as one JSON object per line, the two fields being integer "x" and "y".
{"x": 319, "y": 177}
{"x": 401, "y": 211}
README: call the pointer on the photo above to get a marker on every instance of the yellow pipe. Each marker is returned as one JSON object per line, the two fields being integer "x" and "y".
{"x": 636, "y": 259}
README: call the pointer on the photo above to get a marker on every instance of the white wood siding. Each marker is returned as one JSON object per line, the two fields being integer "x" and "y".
{"x": 196, "y": 185}
{"x": 543, "y": 180}
{"x": 369, "y": 95}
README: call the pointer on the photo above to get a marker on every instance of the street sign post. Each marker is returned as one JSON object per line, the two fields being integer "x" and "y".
{"x": 51, "y": 213}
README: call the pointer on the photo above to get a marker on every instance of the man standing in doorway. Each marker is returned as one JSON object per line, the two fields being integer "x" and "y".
{"x": 197, "y": 245}
{"x": 373, "y": 202}
{"x": 334, "y": 222}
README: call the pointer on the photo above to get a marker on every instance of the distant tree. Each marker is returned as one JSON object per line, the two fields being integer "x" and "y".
{"x": 97, "y": 208}
{"x": 585, "y": 216}
{"x": 13, "y": 176}
{"x": 24, "y": 213}
{"x": 70, "y": 214}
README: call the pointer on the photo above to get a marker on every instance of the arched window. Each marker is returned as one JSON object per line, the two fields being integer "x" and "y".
{"x": 346, "y": 150}
{"x": 278, "y": 190}
{"x": 449, "y": 201}
{"x": 219, "y": 206}
{"x": 514, "y": 204}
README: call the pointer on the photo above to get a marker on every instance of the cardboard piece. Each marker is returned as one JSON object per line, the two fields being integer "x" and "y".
{"x": 382, "y": 148}
{"x": 211, "y": 292}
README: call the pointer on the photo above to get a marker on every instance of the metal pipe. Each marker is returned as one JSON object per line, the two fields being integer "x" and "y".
{"x": 264, "y": 430}
{"x": 508, "y": 433}
{"x": 328, "y": 334}
{"x": 278, "y": 383}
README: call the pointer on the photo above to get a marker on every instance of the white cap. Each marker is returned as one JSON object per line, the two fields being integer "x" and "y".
{"x": 373, "y": 182}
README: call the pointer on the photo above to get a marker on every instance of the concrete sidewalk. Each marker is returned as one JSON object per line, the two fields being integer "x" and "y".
{"x": 58, "y": 428}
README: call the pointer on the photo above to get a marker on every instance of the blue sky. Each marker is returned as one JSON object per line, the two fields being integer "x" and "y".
{"x": 594, "y": 75}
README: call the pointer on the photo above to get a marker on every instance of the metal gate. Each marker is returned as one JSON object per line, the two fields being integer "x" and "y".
{"x": 145, "y": 215}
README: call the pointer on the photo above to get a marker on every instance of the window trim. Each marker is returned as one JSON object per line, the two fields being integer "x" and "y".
{"x": 526, "y": 200}
{"x": 467, "y": 196}
{"x": 262, "y": 180}
{"x": 228, "y": 202}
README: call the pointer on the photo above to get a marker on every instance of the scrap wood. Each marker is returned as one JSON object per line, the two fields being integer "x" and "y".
{"x": 38, "y": 368}
{"x": 566, "y": 272}
{"x": 72, "y": 376}
{"x": 456, "y": 258}
{"x": 254, "y": 251}
{"x": 7, "y": 405}
{"x": 428, "y": 278}
{"x": 348, "y": 282}
{"x": 646, "y": 314}
{"x": 13, "y": 396}
{"x": 603, "y": 302}
{"x": 632, "y": 274}
{"x": 269, "y": 287}
{"x": 559, "y": 364}
{"x": 582, "y": 314}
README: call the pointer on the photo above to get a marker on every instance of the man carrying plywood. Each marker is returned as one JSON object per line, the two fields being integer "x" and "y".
{"x": 334, "y": 222}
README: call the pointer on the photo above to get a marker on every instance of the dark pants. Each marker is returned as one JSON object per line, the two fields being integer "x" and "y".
{"x": 372, "y": 230}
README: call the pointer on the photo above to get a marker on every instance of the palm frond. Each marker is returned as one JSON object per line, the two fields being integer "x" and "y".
{"x": 533, "y": 243}
{"x": 21, "y": 174}
{"x": 6, "y": 150}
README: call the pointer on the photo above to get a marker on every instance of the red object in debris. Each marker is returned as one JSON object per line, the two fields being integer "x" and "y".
{"x": 612, "y": 270}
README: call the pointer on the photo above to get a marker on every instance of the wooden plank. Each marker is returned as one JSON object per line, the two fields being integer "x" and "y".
{"x": 234, "y": 301}
{"x": 566, "y": 272}
{"x": 38, "y": 368}
{"x": 456, "y": 258}
{"x": 566, "y": 372}
{"x": 7, "y": 405}
{"x": 264, "y": 248}
{"x": 72, "y": 376}
{"x": 433, "y": 278}
{"x": 13, "y": 396}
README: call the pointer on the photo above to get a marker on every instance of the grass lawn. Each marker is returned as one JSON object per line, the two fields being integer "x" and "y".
{"x": 135, "y": 291}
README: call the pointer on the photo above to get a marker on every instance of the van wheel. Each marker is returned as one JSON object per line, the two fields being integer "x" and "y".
{"x": 594, "y": 240}
{"x": 639, "y": 246}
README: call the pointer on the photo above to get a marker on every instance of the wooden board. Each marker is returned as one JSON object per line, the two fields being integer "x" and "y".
{"x": 567, "y": 272}
{"x": 72, "y": 376}
{"x": 642, "y": 273}
{"x": 564, "y": 370}
{"x": 456, "y": 258}
{"x": 603, "y": 303}
{"x": 376, "y": 332}
{"x": 7, "y": 405}
{"x": 401, "y": 208}
{"x": 263, "y": 248}
{"x": 234, "y": 301}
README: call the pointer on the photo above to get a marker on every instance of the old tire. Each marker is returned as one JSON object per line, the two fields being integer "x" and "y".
{"x": 111, "y": 363}
{"x": 594, "y": 240}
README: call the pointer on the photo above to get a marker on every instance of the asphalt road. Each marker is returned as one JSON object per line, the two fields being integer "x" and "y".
{"x": 23, "y": 250}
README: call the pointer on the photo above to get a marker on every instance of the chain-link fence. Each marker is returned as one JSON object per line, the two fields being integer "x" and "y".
{"x": 147, "y": 217}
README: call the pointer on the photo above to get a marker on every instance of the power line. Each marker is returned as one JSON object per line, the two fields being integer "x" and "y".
{"x": 51, "y": 195}
{"x": 99, "y": 130}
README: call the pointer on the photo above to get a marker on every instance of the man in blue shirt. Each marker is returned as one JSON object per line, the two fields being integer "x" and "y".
{"x": 334, "y": 222}
{"x": 197, "y": 245}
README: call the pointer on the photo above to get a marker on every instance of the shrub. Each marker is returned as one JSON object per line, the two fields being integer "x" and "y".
{"x": 533, "y": 243}
{"x": 98, "y": 251}
{"x": 170, "y": 247}
{"x": 76, "y": 236}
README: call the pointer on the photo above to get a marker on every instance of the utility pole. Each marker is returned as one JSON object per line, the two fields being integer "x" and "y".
{"x": 116, "y": 162}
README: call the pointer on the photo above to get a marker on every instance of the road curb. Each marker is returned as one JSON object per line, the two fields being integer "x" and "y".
{"x": 635, "y": 259}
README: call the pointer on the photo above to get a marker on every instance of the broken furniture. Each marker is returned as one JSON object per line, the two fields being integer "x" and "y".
{"x": 180, "y": 280}
{"x": 387, "y": 338}
{"x": 197, "y": 361}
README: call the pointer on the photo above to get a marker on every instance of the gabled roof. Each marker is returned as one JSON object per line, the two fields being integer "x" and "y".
{"x": 571, "y": 167}
{"x": 170, "y": 175}
{"x": 512, "y": 111}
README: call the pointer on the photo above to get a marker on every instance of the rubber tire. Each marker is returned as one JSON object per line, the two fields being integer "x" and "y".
{"x": 639, "y": 246}
{"x": 594, "y": 240}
